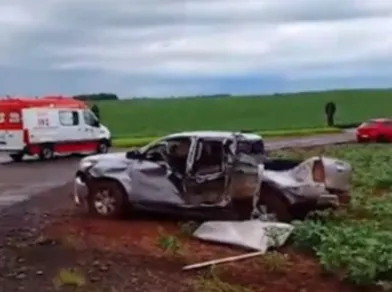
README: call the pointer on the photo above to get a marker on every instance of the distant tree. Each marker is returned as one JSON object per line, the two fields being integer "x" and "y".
{"x": 95, "y": 110}
{"x": 330, "y": 110}
{"x": 96, "y": 97}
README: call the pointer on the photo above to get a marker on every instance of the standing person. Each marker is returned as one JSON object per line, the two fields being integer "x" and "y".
{"x": 95, "y": 110}
{"x": 330, "y": 109}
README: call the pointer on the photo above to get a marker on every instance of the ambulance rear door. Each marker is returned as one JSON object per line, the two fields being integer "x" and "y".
{"x": 42, "y": 125}
{"x": 11, "y": 132}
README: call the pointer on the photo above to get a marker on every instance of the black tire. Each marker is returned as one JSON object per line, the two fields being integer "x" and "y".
{"x": 17, "y": 157}
{"x": 114, "y": 207}
{"x": 46, "y": 152}
{"x": 275, "y": 203}
{"x": 103, "y": 147}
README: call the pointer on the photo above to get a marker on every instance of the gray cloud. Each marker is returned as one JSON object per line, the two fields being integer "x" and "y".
{"x": 114, "y": 40}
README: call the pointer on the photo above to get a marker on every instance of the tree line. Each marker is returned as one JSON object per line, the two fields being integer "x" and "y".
{"x": 96, "y": 96}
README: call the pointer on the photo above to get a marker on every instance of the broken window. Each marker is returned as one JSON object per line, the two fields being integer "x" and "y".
{"x": 178, "y": 150}
{"x": 156, "y": 153}
{"x": 209, "y": 157}
{"x": 250, "y": 147}
{"x": 205, "y": 183}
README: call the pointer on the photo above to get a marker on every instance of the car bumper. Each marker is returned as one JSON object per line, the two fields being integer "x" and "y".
{"x": 80, "y": 192}
{"x": 318, "y": 200}
{"x": 363, "y": 137}
{"x": 328, "y": 200}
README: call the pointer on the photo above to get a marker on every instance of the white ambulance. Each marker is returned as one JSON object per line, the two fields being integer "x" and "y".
{"x": 48, "y": 126}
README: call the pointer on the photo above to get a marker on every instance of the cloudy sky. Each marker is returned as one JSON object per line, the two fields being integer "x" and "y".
{"x": 185, "y": 47}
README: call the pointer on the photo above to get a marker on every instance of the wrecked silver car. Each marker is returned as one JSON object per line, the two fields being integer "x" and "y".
{"x": 209, "y": 175}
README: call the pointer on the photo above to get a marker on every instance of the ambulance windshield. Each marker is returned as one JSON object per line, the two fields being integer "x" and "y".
{"x": 92, "y": 113}
{"x": 90, "y": 118}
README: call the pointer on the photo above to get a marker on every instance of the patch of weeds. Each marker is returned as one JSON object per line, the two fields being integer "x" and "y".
{"x": 169, "y": 243}
{"x": 69, "y": 277}
{"x": 383, "y": 183}
{"x": 212, "y": 282}
{"x": 360, "y": 249}
{"x": 379, "y": 208}
{"x": 275, "y": 261}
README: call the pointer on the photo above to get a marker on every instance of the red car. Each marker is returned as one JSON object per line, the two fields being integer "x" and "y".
{"x": 375, "y": 130}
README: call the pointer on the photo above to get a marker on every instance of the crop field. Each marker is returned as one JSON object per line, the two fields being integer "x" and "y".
{"x": 347, "y": 250}
{"x": 156, "y": 117}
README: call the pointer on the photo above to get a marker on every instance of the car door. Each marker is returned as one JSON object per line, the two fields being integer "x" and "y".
{"x": 387, "y": 130}
{"x": 246, "y": 171}
{"x": 153, "y": 181}
{"x": 206, "y": 174}
{"x": 90, "y": 127}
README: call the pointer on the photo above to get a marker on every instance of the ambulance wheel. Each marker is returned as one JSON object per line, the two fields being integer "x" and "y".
{"x": 17, "y": 157}
{"x": 46, "y": 152}
{"x": 103, "y": 147}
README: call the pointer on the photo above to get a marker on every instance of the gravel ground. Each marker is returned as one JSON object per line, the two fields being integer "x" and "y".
{"x": 48, "y": 246}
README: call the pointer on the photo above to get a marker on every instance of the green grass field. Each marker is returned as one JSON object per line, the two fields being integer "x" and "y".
{"x": 156, "y": 117}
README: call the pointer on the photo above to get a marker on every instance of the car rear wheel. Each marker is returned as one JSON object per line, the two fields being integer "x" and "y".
{"x": 46, "y": 152}
{"x": 106, "y": 199}
{"x": 275, "y": 203}
{"x": 382, "y": 139}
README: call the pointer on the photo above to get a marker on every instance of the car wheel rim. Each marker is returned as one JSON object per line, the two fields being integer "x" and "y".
{"x": 104, "y": 203}
{"x": 103, "y": 148}
{"x": 47, "y": 153}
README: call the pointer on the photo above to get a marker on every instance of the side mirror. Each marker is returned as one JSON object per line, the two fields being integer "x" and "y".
{"x": 155, "y": 156}
{"x": 133, "y": 154}
{"x": 96, "y": 124}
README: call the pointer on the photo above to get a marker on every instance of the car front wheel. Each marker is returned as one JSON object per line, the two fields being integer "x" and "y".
{"x": 106, "y": 199}
{"x": 16, "y": 157}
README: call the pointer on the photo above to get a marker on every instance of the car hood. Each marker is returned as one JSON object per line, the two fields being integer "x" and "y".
{"x": 99, "y": 157}
{"x": 94, "y": 159}
{"x": 115, "y": 159}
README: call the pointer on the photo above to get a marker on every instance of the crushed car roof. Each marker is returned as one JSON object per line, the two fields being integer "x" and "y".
{"x": 212, "y": 134}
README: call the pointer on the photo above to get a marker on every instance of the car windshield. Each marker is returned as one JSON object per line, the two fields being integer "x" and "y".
{"x": 168, "y": 142}
{"x": 150, "y": 145}
{"x": 368, "y": 123}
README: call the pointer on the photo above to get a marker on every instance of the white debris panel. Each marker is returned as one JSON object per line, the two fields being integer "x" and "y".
{"x": 250, "y": 234}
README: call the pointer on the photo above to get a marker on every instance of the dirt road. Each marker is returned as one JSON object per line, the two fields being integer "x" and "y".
{"x": 20, "y": 181}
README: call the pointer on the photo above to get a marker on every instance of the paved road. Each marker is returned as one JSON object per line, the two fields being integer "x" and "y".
{"x": 19, "y": 181}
